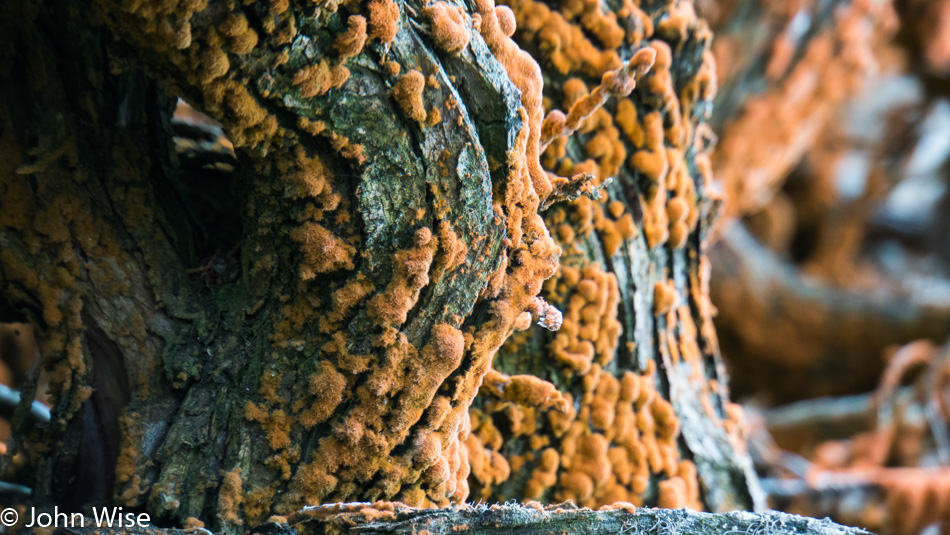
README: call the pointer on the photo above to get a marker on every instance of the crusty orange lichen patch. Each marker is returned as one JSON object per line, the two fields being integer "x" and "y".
{"x": 309, "y": 178}
{"x": 617, "y": 83}
{"x": 316, "y": 79}
{"x": 434, "y": 456}
{"x": 192, "y": 523}
{"x": 562, "y": 43}
{"x": 344, "y": 300}
{"x": 408, "y": 94}
{"x": 769, "y": 135}
{"x": 411, "y": 275}
{"x": 604, "y": 452}
{"x": 590, "y": 330}
{"x": 129, "y": 456}
{"x": 525, "y": 390}
{"x": 327, "y": 386}
{"x": 497, "y": 26}
{"x": 251, "y": 123}
{"x": 434, "y": 116}
{"x": 53, "y": 239}
{"x": 350, "y": 43}
{"x": 270, "y": 383}
{"x": 323, "y": 251}
{"x": 242, "y": 39}
{"x": 452, "y": 250}
{"x": 230, "y": 498}
{"x": 276, "y": 424}
{"x": 383, "y": 20}
{"x": 449, "y": 30}
{"x": 665, "y": 297}
{"x": 443, "y": 353}
{"x": 340, "y": 143}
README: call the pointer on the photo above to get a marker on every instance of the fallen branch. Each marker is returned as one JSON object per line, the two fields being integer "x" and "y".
{"x": 10, "y": 399}
{"x": 395, "y": 518}
{"x": 565, "y": 518}
{"x": 821, "y": 339}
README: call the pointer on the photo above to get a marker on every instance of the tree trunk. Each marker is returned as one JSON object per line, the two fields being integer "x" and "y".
{"x": 387, "y": 208}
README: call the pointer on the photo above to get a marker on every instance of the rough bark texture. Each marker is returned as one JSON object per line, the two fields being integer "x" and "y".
{"x": 386, "y": 208}
{"x": 535, "y": 520}
{"x": 526, "y": 520}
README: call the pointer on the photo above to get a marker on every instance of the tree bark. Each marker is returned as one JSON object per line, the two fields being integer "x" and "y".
{"x": 386, "y": 208}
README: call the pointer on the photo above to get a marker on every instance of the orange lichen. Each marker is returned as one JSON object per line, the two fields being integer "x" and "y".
{"x": 486, "y": 465}
{"x": 316, "y": 79}
{"x": 648, "y": 445}
{"x": 344, "y": 299}
{"x": 243, "y": 39}
{"x": 404, "y": 395}
{"x": 623, "y": 431}
{"x": 214, "y": 63}
{"x": 393, "y": 68}
{"x": 434, "y": 117}
{"x": 129, "y": 457}
{"x": 765, "y": 141}
{"x": 408, "y": 94}
{"x": 310, "y": 177}
{"x": 257, "y": 503}
{"x": 497, "y": 26}
{"x": 340, "y": 143}
{"x": 411, "y": 275}
{"x": 276, "y": 424}
{"x": 603, "y": 25}
{"x": 443, "y": 353}
{"x": 323, "y": 251}
{"x": 350, "y": 43}
{"x": 192, "y": 523}
{"x": 891, "y": 455}
{"x": 617, "y": 83}
{"x": 544, "y": 476}
{"x": 664, "y": 297}
{"x": 449, "y": 30}
{"x": 525, "y": 390}
{"x": 452, "y": 250}
{"x": 270, "y": 383}
{"x": 383, "y": 20}
{"x": 590, "y": 329}
{"x": 231, "y": 498}
{"x": 252, "y": 124}
{"x": 327, "y": 386}
{"x": 652, "y": 160}
{"x": 562, "y": 43}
